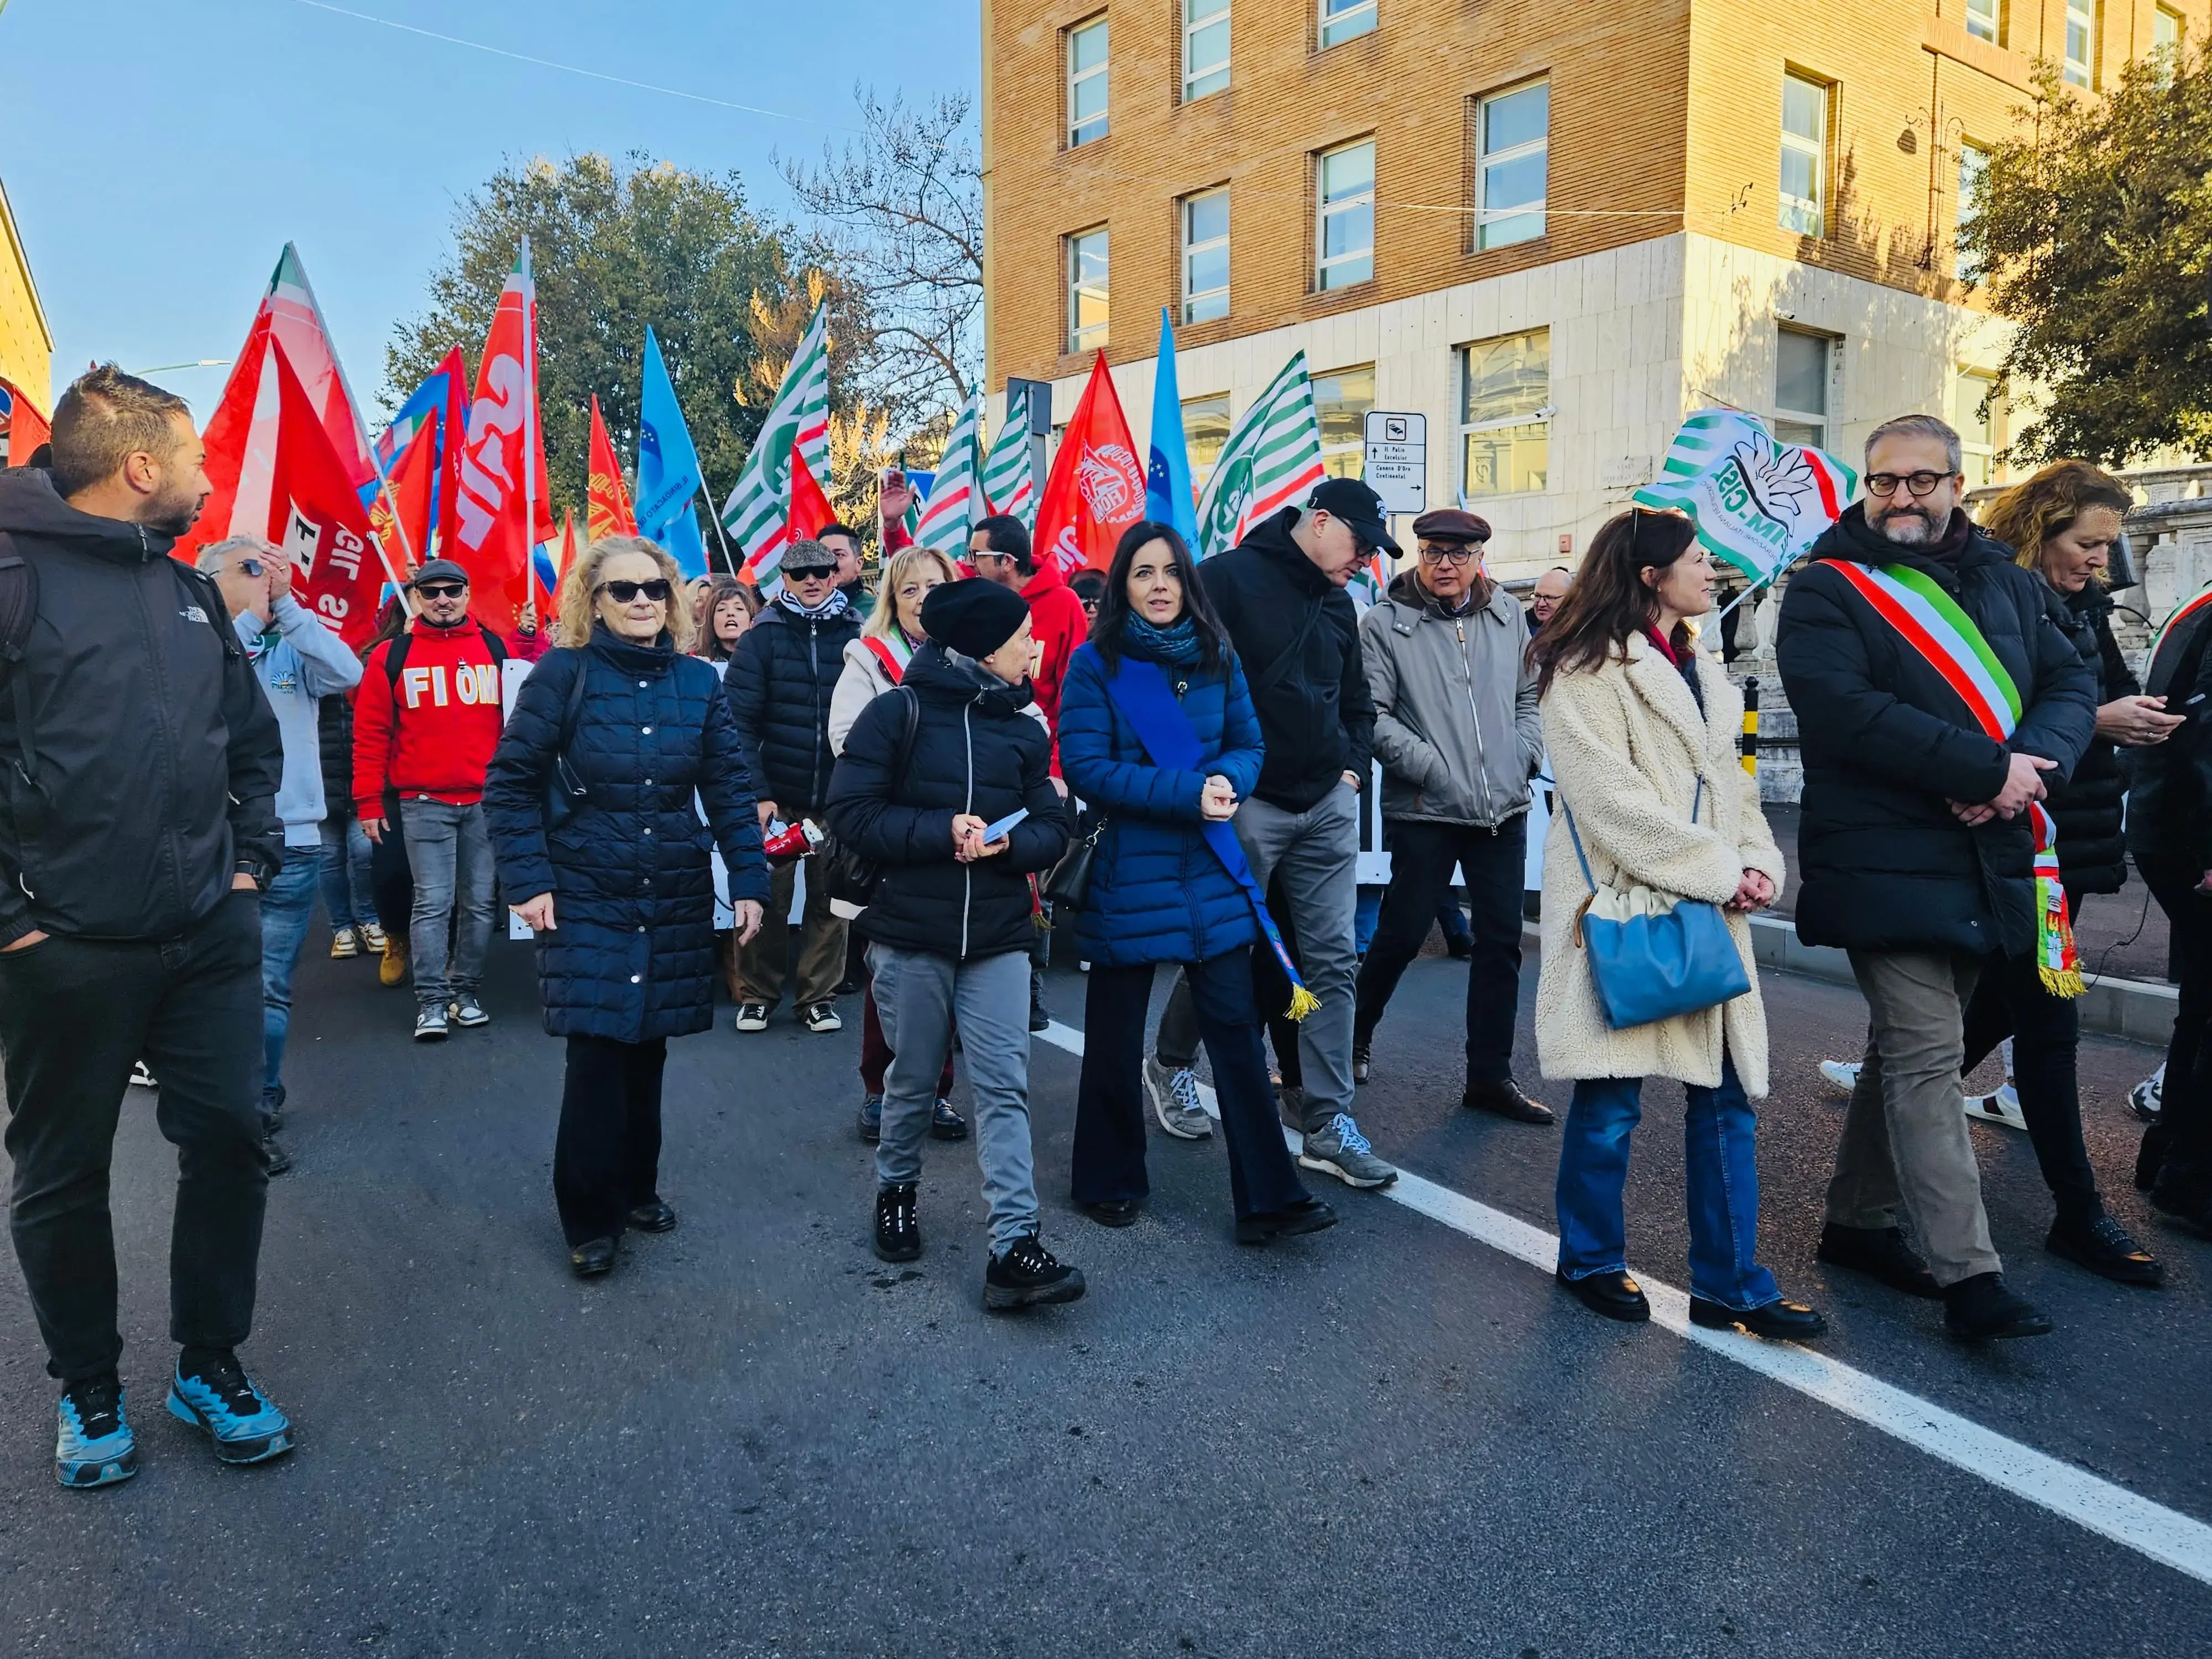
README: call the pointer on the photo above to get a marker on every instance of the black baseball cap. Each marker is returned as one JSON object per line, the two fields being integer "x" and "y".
{"x": 440, "y": 570}
{"x": 1357, "y": 506}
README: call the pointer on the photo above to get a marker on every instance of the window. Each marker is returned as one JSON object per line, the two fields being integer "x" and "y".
{"x": 1340, "y": 20}
{"x": 1972, "y": 162}
{"x": 1205, "y": 256}
{"x": 1504, "y": 408}
{"x": 1205, "y": 429}
{"x": 1341, "y": 400}
{"x": 1205, "y": 47}
{"x": 1975, "y": 412}
{"x": 1087, "y": 290}
{"x": 1804, "y": 154}
{"x": 1514, "y": 138}
{"x": 1346, "y": 233}
{"x": 1801, "y": 387}
{"x": 2166, "y": 27}
{"x": 1983, "y": 20}
{"x": 2080, "y": 65}
{"x": 1086, "y": 82}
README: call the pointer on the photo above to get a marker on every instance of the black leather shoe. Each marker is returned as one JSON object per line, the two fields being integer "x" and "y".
{"x": 1779, "y": 1321}
{"x": 2104, "y": 1247}
{"x": 1983, "y": 1307}
{"x": 1359, "y": 1062}
{"x": 1504, "y": 1100}
{"x": 898, "y": 1228}
{"x": 279, "y": 1159}
{"x": 2177, "y": 1201}
{"x": 946, "y": 1124}
{"x": 592, "y": 1257}
{"x": 1113, "y": 1211}
{"x": 653, "y": 1218}
{"x": 1882, "y": 1253}
{"x": 1615, "y": 1295}
{"x": 1308, "y": 1216}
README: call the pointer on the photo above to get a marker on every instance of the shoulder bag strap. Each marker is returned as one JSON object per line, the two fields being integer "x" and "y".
{"x": 1282, "y": 664}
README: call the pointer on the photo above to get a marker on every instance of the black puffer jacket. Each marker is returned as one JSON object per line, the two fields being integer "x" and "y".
{"x": 631, "y": 952}
{"x": 974, "y": 751}
{"x": 334, "y": 734}
{"x": 2086, "y": 808}
{"x": 780, "y": 682}
{"x": 1316, "y": 713}
{"x": 1884, "y": 865}
{"x": 2170, "y": 783}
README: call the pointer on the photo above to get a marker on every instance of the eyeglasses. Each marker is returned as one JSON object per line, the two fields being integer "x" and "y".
{"x": 442, "y": 590}
{"x": 253, "y": 567}
{"x": 1920, "y": 483}
{"x": 626, "y": 592}
{"x": 1433, "y": 553}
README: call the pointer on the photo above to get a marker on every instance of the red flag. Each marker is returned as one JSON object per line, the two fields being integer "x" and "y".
{"x": 316, "y": 517}
{"x": 1097, "y": 489}
{"x": 412, "y": 476}
{"x": 607, "y": 507}
{"x": 810, "y": 508}
{"x": 496, "y": 529}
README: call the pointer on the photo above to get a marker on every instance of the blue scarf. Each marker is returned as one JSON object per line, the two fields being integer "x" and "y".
{"x": 1176, "y": 645}
{"x": 1140, "y": 690}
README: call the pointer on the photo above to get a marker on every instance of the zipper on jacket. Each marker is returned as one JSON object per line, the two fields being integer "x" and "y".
{"x": 821, "y": 725}
{"x": 967, "y": 871}
{"x": 1481, "y": 756}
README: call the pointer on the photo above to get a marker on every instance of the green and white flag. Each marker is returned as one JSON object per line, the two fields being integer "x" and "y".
{"x": 1272, "y": 458}
{"x": 1009, "y": 478}
{"x": 955, "y": 503}
{"x": 1759, "y": 504}
{"x": 757, "y": 513}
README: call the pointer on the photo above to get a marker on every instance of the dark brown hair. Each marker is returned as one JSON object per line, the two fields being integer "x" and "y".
{"x": 105, "y": 418}
{"x": 1607, "y": 603}
{"x": 1113, "y": 610}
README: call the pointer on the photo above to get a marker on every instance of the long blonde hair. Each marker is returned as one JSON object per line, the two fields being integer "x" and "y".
{"x": 580, "y": 589}
{"x": 901, "y": 565}
{"x": 2038, "y": 508}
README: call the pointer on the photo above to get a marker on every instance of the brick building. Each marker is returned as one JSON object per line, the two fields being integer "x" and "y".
{"x": 1551, "y": 229}
{"x": 26, "y": 347}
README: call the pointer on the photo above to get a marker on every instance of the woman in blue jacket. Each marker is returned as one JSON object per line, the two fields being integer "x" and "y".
{"x": 621, "y": 892}
{"x": 1158, "y": 891}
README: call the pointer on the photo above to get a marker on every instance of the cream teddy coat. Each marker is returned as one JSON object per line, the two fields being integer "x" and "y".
{"x": 1627, "y": 747}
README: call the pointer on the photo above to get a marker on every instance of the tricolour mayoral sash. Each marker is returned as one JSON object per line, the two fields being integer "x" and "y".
{"x": 1916, "y": 605}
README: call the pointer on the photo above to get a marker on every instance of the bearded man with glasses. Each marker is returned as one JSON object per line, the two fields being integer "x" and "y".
{"x": 1936, "y": 697}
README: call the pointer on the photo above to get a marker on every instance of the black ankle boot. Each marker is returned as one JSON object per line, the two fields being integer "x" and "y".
{"x": 899, "y": 1229}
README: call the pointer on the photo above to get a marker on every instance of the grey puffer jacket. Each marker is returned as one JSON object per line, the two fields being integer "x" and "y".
{"x": 1456, "y": 722}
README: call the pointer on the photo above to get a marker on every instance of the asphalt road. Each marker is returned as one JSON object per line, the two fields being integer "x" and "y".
{"x": 754, "y": 1439}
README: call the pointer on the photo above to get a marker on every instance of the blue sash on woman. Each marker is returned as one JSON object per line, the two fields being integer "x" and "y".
{"x": 1140, "y": 690}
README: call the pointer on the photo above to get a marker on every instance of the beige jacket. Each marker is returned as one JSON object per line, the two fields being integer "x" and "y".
{"x": 1627, "y": 747}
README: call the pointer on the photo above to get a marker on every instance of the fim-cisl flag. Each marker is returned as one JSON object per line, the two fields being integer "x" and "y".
{"x": 1097, "y": 489}
{"x": 1009, "y": 477}
{"x": 1271, "y": 460}
{"x": 755, "y": 513}
{"x": 956, "y": 496}
{"x": 1759, "y": 504}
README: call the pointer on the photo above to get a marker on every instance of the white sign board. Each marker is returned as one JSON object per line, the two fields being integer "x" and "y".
{"x": 1398, "y": 460}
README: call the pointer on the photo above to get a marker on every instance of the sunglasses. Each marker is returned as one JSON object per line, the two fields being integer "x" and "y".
{"x": 811, "y": 574}
{"x": 657, "y": 590}
{"x": 253, "y": 567}
{"x": 442, "y": 590}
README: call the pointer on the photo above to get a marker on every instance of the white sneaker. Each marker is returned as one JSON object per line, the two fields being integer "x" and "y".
{"x": 2148, "y": 1098}
{"x": 752, "y": 1017}
{"x": 2001, "y": 1107}
{"x": 1842, "y": 1074}
{"x": 141, "y": 1075}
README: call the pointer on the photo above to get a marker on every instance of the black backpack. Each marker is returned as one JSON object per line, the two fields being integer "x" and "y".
{"x": 395, "y": 660}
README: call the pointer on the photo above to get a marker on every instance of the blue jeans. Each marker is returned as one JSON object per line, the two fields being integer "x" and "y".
{"x": 347, "y": 893}
{"x": 1719, "y": 1143}
{"x": 286, "y": 910}
{"x": 450, "y": 852}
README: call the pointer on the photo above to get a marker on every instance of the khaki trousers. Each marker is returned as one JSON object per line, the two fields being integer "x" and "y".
{"x": 757, "y": 974}
{"x": 1905, "y": 1133}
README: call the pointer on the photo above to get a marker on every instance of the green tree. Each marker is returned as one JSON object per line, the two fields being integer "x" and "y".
{"x": 2092, "y": 228}
{"x": 615, "y": 247}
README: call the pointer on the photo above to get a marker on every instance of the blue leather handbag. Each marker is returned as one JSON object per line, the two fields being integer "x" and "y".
{"x": 1653, "y": 956}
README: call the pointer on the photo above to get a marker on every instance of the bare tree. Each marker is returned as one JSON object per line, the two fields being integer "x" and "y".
{"x": 902, "y": 208}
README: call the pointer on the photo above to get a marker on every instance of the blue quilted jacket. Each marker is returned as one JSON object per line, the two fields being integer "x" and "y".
{"x": 1158, "y": 892}
{"x": 631, "y": 953}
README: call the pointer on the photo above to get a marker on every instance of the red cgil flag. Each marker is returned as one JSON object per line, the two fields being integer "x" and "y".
{"x": 810, "y": 508}
{"x": 607, "y": 507}
{"x": 316, "y": 517}
{"x": 500, "y": 510}
{"x": 1097, "y": 489}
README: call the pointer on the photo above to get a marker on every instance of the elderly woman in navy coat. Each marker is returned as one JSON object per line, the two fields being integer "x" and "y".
{"x": 621, "y": 892}
{"x": 1159, "y": 893}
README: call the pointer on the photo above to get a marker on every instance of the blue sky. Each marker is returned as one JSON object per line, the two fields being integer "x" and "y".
{"x": 159, "y": 153}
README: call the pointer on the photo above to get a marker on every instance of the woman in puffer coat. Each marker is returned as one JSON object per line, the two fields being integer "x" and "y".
{"x": 1642, "y": 731}
{"x": 621, "y": 892}
{"x": 1159, "y": 892}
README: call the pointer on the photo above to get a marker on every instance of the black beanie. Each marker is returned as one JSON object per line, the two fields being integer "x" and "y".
{"x": 973, "y": 617}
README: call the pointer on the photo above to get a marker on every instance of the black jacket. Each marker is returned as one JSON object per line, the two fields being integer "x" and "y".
{"x": 1315, "y": 715}
{"x": 975, "y": 752}
{"x": 334, "y": 735}
{"x": 2086, "y": 808}
{"x": 631, "y": 952}
{"x": 156, "y": 755}
{"x": 1883, "y": 864}
{"x": 779, "y": 682}
{"x": 2170, "y": 783}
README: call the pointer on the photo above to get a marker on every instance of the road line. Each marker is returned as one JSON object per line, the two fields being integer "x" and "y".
{"x": 2104, "y": 1508}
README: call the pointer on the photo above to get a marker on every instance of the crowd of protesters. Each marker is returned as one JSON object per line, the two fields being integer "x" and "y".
{"x": 1164, "y": 762}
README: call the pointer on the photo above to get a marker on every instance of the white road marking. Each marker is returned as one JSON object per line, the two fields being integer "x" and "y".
{"x": 2111, "y": 1510}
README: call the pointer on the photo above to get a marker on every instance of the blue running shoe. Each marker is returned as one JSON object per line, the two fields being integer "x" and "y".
{"x": 94, "y": 1446}
{"x": 220, "y": 1397}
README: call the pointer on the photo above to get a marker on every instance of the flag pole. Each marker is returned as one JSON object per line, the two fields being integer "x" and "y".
{"x": 529, "y": 440}
{"x": 729, "y": 564}
{"x": 360, "y": 431}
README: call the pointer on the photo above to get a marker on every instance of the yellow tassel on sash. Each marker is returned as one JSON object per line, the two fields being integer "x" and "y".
{"x": 1303, "y": 1002}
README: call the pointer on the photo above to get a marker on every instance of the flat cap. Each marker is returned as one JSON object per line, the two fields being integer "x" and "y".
{"x": 1449, "y": 524}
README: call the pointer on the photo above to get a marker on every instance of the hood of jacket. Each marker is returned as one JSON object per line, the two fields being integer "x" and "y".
{"x": 945, "y": 676}
{"x": 1043, "y": 580}
{"x": 1271, "y": 537}
{"x": 29, "y": 506}
{"x": 1406, "y": 592}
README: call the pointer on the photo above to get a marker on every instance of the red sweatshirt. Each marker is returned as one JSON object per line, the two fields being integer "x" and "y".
{"x": 1057, "y": 621}
{"x": 432, "y": 735}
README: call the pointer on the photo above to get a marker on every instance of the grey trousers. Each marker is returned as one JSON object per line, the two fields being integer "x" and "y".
{"x": 1904, "y": 1133}
{"x": 1315, "y": 851}
{"x": 449, "y": 850}
{"x": 919, "y": 995}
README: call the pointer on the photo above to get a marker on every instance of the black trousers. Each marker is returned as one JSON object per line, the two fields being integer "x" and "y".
{"x": 606, "y": 1158}
{"x": 1109, "y": 1103}
{"x": 390, "y": 879}
{"x": 2009, "y": 1001}
{"x": 1421, "y": 859}
{"x": 2177, "y": 1155}
{"x": 73, "y": 1015}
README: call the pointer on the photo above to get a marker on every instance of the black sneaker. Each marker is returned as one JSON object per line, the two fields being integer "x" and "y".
{"x": 1983, "y": 1308}
{"x": 1040, "y": 1017}
{"x": 273, "y": 1150}
{"x": 2103, "y": 1246}
{"x": 946, "y": 1124}
{"x": 899, "y": 1229}
{"x": 1029, "y": 1274}
{"x": 1880, "y": 1252}
{"x": 1359, "y": 1062}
